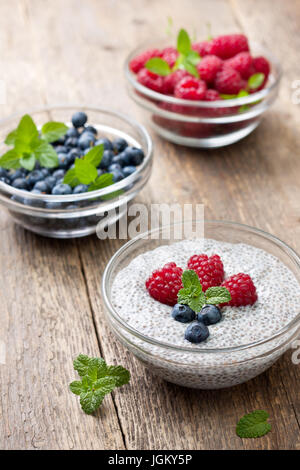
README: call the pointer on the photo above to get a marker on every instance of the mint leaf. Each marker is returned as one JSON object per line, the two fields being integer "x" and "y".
{"x": 190, "y": 279}
{"x": 217, "y": 295}
{"x": 71, "y": 178}
{"x": 101, "y": 182}
{"x": 193, "y": 57}
{"x": 183, "y": 42}
{"x": 11, "y": 138}
{"x": 196, "y": 303}
{"x": 253, "y": 424}
{"x": 242, "y": 93}
{"x": 10, "y": 159}
{"x": 227, "y": 97}
{"x": 256, "y": 80}
{"x": 85, "y": 171}
{"x": 190, "y": 68}
{"x": 191, "y": 294}
{"x": 94, "y": 156}
{"x": 28, "y": 161}
{"x": 52, "y": 131}
{"x": 26, "y": 134}
{"x": 46, "y": 155}
{"x": 158, "y": 66}
{"x": 97, "y": 380}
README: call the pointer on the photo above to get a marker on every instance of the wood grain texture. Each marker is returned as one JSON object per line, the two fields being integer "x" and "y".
{"x": 77, "y": 56}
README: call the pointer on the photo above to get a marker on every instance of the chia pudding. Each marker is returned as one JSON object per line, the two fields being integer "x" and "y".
{"x": 227, "y": 357}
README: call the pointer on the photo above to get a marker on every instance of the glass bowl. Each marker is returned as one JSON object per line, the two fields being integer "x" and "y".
{"x": 201, "y": 368}
{"x": 77, "y": 215}
{"x": 202, "y": 123}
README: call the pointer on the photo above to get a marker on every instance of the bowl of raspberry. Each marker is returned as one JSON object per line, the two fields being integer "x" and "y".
{"x": 206, "y": 310}
{"x": 203, "y": 94}
{"x": 66, "y": 169}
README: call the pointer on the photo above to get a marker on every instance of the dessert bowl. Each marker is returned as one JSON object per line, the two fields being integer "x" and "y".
{"x": 77, "y": 215}
{"x": 206, "y": 124}
{"x": 185, "y": 364}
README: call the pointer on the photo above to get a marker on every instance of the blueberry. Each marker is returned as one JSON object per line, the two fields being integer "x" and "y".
{"x": 135, "y": 155}
{"x": 63, "y": 161}
{"x": 72, "y": 132}
{"x": 113, "y": 167}
{"x": 107, "y": 157}
{"x": 53, "y": 205}
{"x": 90, "y": 129}
{"x": 117, "y": 175}
{"x": 72, "y": 142}
{"x": 196, "y": 332}
{"x": 61, "y": 189}
{"x": 81, "y": 188}
{"x": 86, "y": 140}
{"x": 105, "y": 142}
{"x": 3, "y": 172}
{"x": 34, "y": 202}
{"x": 34, "y": 177}
{"x": 17, "y": 174}
{"x": 42, "y": 186}
{"x": 61, "y": 149}
{"x": 74, "y": 153}
{"x": 183, "y": 313}
{"x": 58, "y": 174}
{"x": 45, "y": 171}
{"x": 79, "y": 119}
{"x": 50, "y": 181}
{"x": 128, "y": 170}
{"x": 119, "y": 145}
{"x": 121, "y": 158}
{"x": 20, "y": 183}
{"x": 209, "y": 315}
{"x": 5, "y": 180}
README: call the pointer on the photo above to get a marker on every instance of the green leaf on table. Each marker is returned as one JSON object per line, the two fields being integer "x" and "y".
{"x": 11, "y": 159}
{"x": 101, "y": 182}
{"x": 217, "y": 295}
{"x": 254, "y": 424}
{"x": 97, "y": 380}
{"x": 52, "y": 131}
{"x": 183, "y": 42}
{"x": 11, "y": 138}
{"x": 28, "y": 161}
{"x": 46, "y": 155}
{"x": 85, "y": 171}
{"x": 94, "y": 156}
{"x": 158, "y": 66}
{"x": 256, "y": 80}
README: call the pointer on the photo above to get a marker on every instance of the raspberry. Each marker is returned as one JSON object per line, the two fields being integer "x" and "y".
{"x": 229, "y": 45}
{"x": 208, "y": 67}
{"x": 170, "y": 54}
{"x": 242, "y": 290}
{"x": 163, "y": 284}
{"x": 210, "y": 270}
{"x": 190, "y": 88}
{"x": 203, "y": 48}
{"x": 242, "y": 63}
{"x": 261, "y": 65}
{"x": 229, "y": 81}
{"x": 138, "y": 62}
{"x": 151, "y": 80}
{"x": 172, "y": 79}
{"x": 212, "y": 95}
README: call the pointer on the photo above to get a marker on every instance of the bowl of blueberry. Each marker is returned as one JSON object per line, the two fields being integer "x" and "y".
{"x": 65, "y": 169}
{"x": 207, "y": 93}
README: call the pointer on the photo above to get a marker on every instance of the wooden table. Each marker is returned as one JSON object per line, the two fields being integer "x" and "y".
{"x": 72, "y": 51}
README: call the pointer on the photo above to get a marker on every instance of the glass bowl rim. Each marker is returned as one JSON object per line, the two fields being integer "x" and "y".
{"x": 147, "y": 339}
{"x": 252, "y": 98}
{"x": 92, "y": 194}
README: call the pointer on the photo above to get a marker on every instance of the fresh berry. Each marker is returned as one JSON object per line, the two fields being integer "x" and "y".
{"x": 242, "y": 63}
{"x": 190, "y": 88}
{"x": 107, "y": 157}
{"x": 86, "y": 140}
{"x": 196, "y": 332}
{"x": 261, "y": 65}
{"x": 210, "y": 270}
{"x": 209, "y": 315}
{"x": 128, "y": 170}
{"x": 163, "y": 284}
{"x": 105, "y": 142}
{"x": 20, "y": 183}
{"x": 169, "y": 54}
{"x": 79, "y": 119}
{"x": 118, "y": 175}
{"x": 72, "y": 132}
{"x": 34, "y": 177}
{"x": 242, "y": 290}
{"x": 212, "y": 95}
{"x": 50, "y": 181}
{"x": 119, "y": 145}
{"x": 172, "y": 79}
{"x": 80, "y": 188}
{"x": 229, "y": 81}
{"x": 61, "y": 189}
{"x": 63, "y": 161}
{"x": 183, "y": 313}
{"x": 138, "y": 62}
{"x": 71, "y": 142}
{"x": 135, "y": 155}
{"x": 90, "y": 129}
{"x": 42, "y": 187}
{"x": 229, "y": 45}
{"x": 208, "y": 67}
{"x": 58, "y": 174}
{"x": 151, "y": 80}
{"x": 203, "y": 48}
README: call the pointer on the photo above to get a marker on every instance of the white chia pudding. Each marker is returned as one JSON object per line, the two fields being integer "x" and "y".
{"x": 196, "y": 365}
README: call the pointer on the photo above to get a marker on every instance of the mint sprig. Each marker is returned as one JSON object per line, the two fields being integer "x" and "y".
{"x": 97, "y": 380}
{"x": 193, "y": 295}
{"x": 254, "y": 424}
{"x": 158, "y": 66}
{"x": 256, "y": 80}
{"x": 29, "y": 145}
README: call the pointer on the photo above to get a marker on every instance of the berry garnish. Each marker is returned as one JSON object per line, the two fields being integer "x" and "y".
{"x": 164, "y": 284}
{"x": 209, "y": 315}
{"x": 183, "y": 313}
{"x": 190, "y": 88}
{"x": 209, "y": 269}
{"x": 151, "y": 80}
{"x": 196, "y": 332}
{"x": 229, "y": 81}
{"x": 208, "y": 67}
{"x": 229, "y": 45}
{"x": 242, "y": 63}
{"x": 242, "y": 290}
